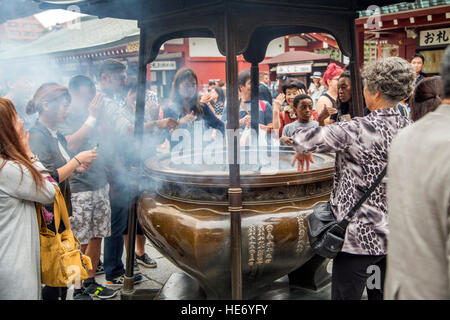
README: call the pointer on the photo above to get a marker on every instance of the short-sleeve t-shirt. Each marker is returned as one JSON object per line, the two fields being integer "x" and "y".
{"x": 265, "y": 117}
{"x": 290, "y": 128}
{"x": 95, "y": 177}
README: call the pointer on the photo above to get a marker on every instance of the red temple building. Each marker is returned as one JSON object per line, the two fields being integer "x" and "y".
{"x": 402, "y": 30}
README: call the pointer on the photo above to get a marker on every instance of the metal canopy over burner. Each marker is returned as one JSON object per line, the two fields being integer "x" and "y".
{"x": 240, "y": 27}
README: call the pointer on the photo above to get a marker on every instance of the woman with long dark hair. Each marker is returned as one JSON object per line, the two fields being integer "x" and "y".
{"x": 344, "y": 102}
{"x": 51, "y": 101}
{"x": 215, "y": 99}
{"x": 21, "y": 186}
{"x": 185, "y": 105}
{"x": 426, "y": 97}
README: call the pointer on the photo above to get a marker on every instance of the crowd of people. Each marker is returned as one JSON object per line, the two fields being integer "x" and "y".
{"x": 77, "y": 143}
{"x": 79, "y": 138}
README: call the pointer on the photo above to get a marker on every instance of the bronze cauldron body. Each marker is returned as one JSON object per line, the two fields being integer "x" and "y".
{"x": 186, "y": 219}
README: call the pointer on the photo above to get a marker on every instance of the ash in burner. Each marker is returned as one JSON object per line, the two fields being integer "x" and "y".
{"x": 269, "y": 162}
{"x": 209, "y": 183}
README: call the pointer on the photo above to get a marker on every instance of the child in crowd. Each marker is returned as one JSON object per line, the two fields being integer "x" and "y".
{"x": 303, "y": 105}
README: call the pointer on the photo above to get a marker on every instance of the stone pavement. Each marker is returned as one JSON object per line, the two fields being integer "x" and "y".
{"x": 155, "y": 278}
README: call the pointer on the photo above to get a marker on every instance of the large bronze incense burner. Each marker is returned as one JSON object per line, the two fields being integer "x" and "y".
{"x": 256, "y": 233}
{"x": 187, "y": 219}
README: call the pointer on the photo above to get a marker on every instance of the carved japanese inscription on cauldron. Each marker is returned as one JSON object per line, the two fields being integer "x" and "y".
{"x": 192, "y": 229}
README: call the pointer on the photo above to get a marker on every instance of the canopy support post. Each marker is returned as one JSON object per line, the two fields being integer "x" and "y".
{"x": 235, "y": 191}
{"x": 254, "y": 76}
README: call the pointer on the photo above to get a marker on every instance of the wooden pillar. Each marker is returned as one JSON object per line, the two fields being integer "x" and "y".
{"x": 135, "y": 173}
{"x": 360, "y": 45}
{"x": 357, "y": 105}
{"x": 254, "y": 74}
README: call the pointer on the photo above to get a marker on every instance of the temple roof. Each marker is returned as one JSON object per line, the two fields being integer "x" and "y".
{"x": 143, "y": 9}
{"x": 93, "y": 33}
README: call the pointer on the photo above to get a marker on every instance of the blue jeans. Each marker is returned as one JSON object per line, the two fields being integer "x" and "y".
{"x": 113, "y": 245}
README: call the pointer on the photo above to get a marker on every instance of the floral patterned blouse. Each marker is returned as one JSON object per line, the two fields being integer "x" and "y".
{"x": 361, "y": 147}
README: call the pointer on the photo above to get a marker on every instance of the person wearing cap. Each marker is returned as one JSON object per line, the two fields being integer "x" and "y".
{"x": 281, "y": 80}
{"x": 316, "y": 89}
{"x": 211, "y": 85}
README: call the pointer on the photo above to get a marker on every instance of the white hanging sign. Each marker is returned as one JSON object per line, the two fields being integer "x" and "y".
{"x": 294, "y": 68}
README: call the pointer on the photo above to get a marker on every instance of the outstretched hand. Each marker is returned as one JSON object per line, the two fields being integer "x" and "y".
{"x": 301, "y": 160}
{"x": 87, "y": 157}
{"x": 167, "y": 123}
{"x": 247, "y": 120}
{"x": 96, "y": 106}
{"x": 188, "y": 119}
{"x": 330, "y": 110}
{"x": 278, "y": 102}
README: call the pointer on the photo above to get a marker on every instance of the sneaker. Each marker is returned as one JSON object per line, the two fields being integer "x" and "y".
{"x": 81, "y": 294}
{"x": 100, "y": 269}
{"x": 136, "y": 268}
{"x": 97, "y": 290}
{"x": 146, "y": 261}
{"x": 118, "y": 282}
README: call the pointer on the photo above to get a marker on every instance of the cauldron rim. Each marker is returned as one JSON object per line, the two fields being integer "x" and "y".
{"x": 155, "y": 169}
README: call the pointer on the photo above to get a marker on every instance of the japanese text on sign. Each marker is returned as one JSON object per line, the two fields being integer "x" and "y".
{"x": 163, "y": 65}
{"x": 294, "y": 68}
{"x": 434, "y": 37}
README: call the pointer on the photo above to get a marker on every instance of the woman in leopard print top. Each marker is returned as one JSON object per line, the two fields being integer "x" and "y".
{"x": 361, "y": 147}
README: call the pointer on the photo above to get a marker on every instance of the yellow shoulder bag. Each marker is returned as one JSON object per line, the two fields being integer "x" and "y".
{"x": 62, "y": 262}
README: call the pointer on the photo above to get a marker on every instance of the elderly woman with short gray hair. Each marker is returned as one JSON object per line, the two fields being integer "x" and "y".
{"x": 361, "y": 147}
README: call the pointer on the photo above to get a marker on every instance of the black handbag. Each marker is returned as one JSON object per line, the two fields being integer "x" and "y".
{"x": 326, "y": 235}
